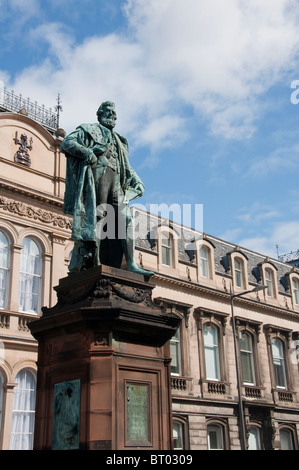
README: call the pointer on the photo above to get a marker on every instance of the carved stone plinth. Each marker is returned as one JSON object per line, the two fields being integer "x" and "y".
{"x": 104, "y": 355}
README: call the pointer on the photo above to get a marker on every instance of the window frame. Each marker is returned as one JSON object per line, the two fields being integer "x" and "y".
{"x": 259, "y": 435}
{"x": 240, "y": 257}
{"x": 251, "y": 355}
{"x": 218, "y": 319}
{"x": 292, "y": 433}
{"x": 285, "y": 336}
{"x": 294, "y": 279}
{"x": 23, "y": 275}
{"x": 269, "y": 282}
{"x": 25, "y": 411}
{"x": 178, "y": 344}
{"x": 239, "y": 272}
{"x": 7, "y": 270}
{"x": 2, "y": 383}
{"x": 267, "y": 267}
{"x": 208, "y": 246}
{"x": 284, "y": 365}
{"x": 204, "y": 262}
{"x": 215, "y": 351}
{"x": 167, "y": 250}
{"x": 172, "y": 235}
{"x": 183, "y": 424}
{"x": 221, "y": 427}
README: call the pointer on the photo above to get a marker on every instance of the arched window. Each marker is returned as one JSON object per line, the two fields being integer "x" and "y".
{"x": 269, "y": 282}
{"x": 238, "y": 265}
{"x": 286, "y": 439}
{"x": 210, "y": 333}
{"x": 204, "y": 257}
{"x": 30, "y": 277}
{"x": 22, "y": 427}
{"x": 1, "y": 398}
{"x": 4, "y": 269}
{"x": 178, "y": 435}
{"x": 215, "y": 437}
{"x": 247, "y": 359}
{"x": 295, "y": 284}
{"x": 279, "y": 363}
{"x": 254, "y": 439}
{"x": 167, "y": 249}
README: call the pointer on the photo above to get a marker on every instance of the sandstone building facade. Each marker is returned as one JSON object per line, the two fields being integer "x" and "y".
{"x": 196, "y": 276}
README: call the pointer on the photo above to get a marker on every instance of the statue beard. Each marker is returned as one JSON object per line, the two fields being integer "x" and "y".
{"x": 109, "y": 123}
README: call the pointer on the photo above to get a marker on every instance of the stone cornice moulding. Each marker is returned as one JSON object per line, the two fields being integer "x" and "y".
{"x": 190, "y": 286}
{"x": 31, "y": 170}
{"x": 30, "y": 212}
{"x": 31, "y": 193}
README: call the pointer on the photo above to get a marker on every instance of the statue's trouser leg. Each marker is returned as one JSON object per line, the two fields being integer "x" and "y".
{"x": 103, "y": 190}
{"x": 128, "y": 239}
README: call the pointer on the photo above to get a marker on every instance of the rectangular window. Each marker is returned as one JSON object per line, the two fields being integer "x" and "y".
{"x": 254, "y": 439}
{"x": 247, "y": 361}
{"x": 279, "y": 363}
{"x": 204, "y": 262}
{"x": 296, "y": 291}
{"x": 178, "y": 436}
{"x": 286, "y": 439}
{"x": 4, "y": 269}
{"x": 238, "y": 273}
{"x": 175, "y": 353}
{"x": 166, "y": 243}
{"x": 215, "y": 437}
{"x": 211, "y": 352}
{"x": 269, "y": 283}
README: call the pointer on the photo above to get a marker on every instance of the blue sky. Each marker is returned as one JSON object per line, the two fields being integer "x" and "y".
{"x": 203, "y": 94}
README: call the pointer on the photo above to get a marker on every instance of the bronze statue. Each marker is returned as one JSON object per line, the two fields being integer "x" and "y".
{"x": 99, "y": 177}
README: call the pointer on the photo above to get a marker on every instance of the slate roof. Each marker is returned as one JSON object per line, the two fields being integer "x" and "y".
{"x": 146, "y": 225}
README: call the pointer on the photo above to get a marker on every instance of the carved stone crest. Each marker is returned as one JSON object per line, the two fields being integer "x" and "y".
{"x": 22, "y": 155}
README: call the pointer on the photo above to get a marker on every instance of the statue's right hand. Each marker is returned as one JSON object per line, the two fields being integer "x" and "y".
{"x": 92, "y": 159}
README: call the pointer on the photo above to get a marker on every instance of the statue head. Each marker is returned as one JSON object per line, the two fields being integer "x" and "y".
{"x": 107, "y": 114}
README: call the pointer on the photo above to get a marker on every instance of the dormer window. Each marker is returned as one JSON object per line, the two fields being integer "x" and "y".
{"x": 269, "y": 282}
{"x": 268, "y": 273}
{"x": 204, "y": 262}
{"x": 238, "y": 272}
{"x": 167, "y": 249}
{"x": 295, "y": 288}
{"x": 238, "y": 264}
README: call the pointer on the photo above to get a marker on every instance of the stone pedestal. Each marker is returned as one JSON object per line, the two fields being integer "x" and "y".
{"x": 104, "y": 365}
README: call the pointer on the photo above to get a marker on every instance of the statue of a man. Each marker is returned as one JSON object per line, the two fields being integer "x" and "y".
{"x": 99, "y": 176}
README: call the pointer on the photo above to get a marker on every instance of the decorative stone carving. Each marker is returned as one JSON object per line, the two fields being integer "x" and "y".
{"x": 31, "y": 212}
{"x": 107, "y": 288}
{"x": 96, "y": 288}
{"x": 101, "y": 340}
{"x": 22, "y": 155}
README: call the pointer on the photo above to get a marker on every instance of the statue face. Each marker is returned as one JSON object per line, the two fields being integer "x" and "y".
{"x": 108, "y": 116}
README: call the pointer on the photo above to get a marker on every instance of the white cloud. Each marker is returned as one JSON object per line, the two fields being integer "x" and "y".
{"x": 214, "y": 57}
{"x": 262, "y": 245}
{"x": 257, "y": 213}
{"x": 18, "y": 11}
{"x": 284, "y": 236}
{"x": 282, "y": 159}
{"x": 220, "y": 55}
{"x": 261, "y": 228}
